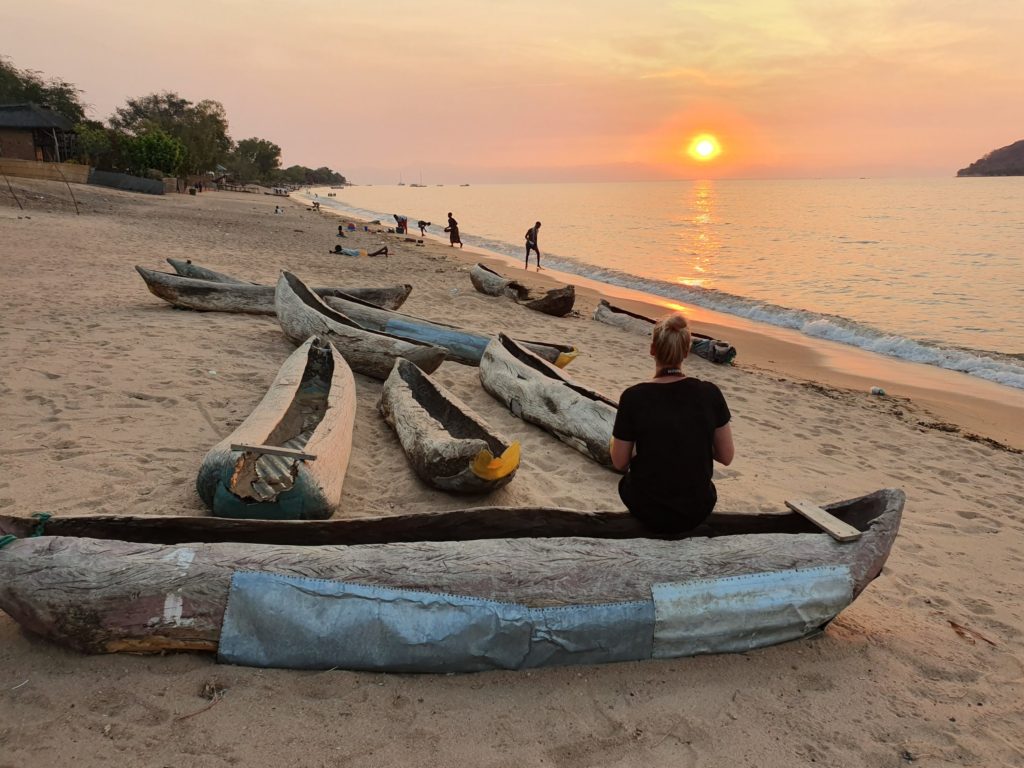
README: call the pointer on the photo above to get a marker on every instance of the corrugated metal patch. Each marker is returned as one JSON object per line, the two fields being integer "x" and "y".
{"x": 738, "y": 613}
{"x": 285, "y": 621}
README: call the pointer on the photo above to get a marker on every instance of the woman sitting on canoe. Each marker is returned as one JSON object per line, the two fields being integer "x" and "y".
{"x": 667, "y": 433}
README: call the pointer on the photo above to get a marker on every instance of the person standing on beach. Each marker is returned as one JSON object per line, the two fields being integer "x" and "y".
{"x": 668, "y": 432}
{"x": 531, "y": 244}
{"x": 453, "y": 231}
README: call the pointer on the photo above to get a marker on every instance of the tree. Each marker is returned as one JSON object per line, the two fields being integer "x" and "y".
{"x": 261, "y": 155}
{"x": 154, "y": 149}
{"x": 94, "y": 142}
{"x": 18, "y": 85}
{"x": 201, "y": 128}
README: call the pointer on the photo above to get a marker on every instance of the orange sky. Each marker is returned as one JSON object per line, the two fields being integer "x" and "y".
{"x": 501, "y": 90}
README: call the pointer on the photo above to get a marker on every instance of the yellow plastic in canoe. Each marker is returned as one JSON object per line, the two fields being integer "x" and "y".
{"x": 487, "y": 467}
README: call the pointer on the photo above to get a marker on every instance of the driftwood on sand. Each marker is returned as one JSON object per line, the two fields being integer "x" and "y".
{"x": 448, "y": 445}
{"x": 301, "y": 314}
{"x": 541, "y": 394}
{"x": 557, "y": 301}
{"x": 288, "y": 459}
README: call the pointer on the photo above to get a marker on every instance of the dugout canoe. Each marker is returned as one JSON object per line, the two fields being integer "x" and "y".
{"x": 557, "y": 301}
{"x": 448, "y": 445}
{"x": 209, "y": 296}
{"x": 715, "y": 350}
{"x": 301, "y": 314}
{"x": 438, "y": 606}
{"x": 287, "y": 460}
{"x": 538, "y": 392}
{"x": 463, "y": 346}
{"x": 386, "y": 297}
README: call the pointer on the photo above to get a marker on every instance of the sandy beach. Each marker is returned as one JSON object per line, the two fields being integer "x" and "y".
{"x": 110, "y": 398}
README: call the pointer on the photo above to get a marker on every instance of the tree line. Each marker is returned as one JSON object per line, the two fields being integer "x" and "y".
{"x": 159, "y": 134}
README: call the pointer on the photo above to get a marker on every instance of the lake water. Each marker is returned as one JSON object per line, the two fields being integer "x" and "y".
{"x": 930, "y": 271}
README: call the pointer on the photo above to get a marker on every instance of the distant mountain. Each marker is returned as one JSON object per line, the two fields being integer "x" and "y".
{"x": 1006, "y": 161}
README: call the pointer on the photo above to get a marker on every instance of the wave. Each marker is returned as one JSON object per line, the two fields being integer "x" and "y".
{"x": 1001, "y": 369}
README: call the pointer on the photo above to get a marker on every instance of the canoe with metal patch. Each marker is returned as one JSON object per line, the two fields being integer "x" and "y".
{"x": 442, "y": 605}
{"x": 287, "y": 460}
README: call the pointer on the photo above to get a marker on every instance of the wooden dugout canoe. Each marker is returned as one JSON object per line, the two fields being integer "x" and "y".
{"x": 385, "y": 297}
{"x": 301, "y": 314}
{"x": 770, "y": 579}
{"x": 463, "y": 346}
{"x": 537, "y": 392}
{"x": 710, "y": 349}
{"x": 557, "y": 301}
{"x": 448, "y": 445}
{"x": 309, "y": 410}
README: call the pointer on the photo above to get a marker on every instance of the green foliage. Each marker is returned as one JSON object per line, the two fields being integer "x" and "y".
{"x": 254, "y": 159}
{"x": 20, "y": 85}
{"x": 154, "y": 149}
{"x": 94, "y": 142}
{"x": 300, "y": 174}
{"x": 201, "y": 128}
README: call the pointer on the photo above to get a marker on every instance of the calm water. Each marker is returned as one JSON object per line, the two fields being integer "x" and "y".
{"x": 925, "y": 270}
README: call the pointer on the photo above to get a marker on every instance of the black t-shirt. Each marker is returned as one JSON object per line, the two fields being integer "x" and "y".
{"x": 673, "y": 427}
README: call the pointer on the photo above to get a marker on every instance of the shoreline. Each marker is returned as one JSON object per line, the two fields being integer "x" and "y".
{"x": 113, "y": 397}
{"x": 953, "y": 401}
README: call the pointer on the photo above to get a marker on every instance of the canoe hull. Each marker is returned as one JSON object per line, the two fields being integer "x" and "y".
{"x": 713, "y": 350}
{"x": 385, "y": 297}
{"x": 448, "y": 445}
{"x": 315, "y": 486}
{"x": 557, "y": 302}
{"x": 301, "y": 314}
{"x": 655, "y": 596}
{"x": 541, "y": 394}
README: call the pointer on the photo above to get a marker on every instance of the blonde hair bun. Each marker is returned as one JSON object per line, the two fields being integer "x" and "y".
{"x": 671, "y": 339}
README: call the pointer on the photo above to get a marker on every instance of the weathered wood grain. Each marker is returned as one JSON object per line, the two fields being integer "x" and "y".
{"x": 102, "y": 596}
{"x": 210, "y": 296}
{"x": 301, "y": 314}
{"x": 227, "y": 476}
{"x": 557, "y": 301}
{"x": 448, "y": 445}
{"x": 463, "y": 346}
{"x": 541, "y": 394}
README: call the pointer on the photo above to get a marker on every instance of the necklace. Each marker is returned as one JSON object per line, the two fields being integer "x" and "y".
{"x": 668, "y": 372}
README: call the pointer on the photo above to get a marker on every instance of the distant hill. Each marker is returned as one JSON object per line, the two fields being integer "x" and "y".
{"x": 1006, "y": 161}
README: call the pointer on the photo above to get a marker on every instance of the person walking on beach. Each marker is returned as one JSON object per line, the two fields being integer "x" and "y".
{"x": 668, "y": 432}
{"x": 453, "y": 231}
{"x": 531, "y": 244}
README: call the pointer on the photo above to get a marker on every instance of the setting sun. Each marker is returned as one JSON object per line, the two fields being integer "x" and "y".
{"x": 704, "y": 147}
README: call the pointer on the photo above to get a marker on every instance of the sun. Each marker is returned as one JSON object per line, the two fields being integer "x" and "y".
{"x": 704, "y": 147}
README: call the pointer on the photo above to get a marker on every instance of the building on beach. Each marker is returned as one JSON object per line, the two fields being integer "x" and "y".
{"x": 34, "y": 132}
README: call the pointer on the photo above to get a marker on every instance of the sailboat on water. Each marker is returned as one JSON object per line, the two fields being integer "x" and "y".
{"x": 400, "y": 182}
{"x": 421, "y": 184}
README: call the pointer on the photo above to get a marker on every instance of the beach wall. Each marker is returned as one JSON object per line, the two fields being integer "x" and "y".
{"x": 32, "y": 169}
{"x": 126, "y": 182}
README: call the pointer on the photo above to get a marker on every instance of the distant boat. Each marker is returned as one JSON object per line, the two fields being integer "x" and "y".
{"x": 463, "y": 185}
{"x": 421, "y": 184}
{"x": 400, "y": 182}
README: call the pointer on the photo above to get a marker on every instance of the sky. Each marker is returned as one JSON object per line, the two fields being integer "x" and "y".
{"x": 460, "y": 91}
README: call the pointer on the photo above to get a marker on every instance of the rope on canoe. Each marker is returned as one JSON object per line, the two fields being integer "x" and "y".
{"x": 42, "y": 517}
{"x": 5, "y": 540}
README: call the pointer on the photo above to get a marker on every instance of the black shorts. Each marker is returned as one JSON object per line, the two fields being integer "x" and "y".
{"x": 667, "y": 518}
